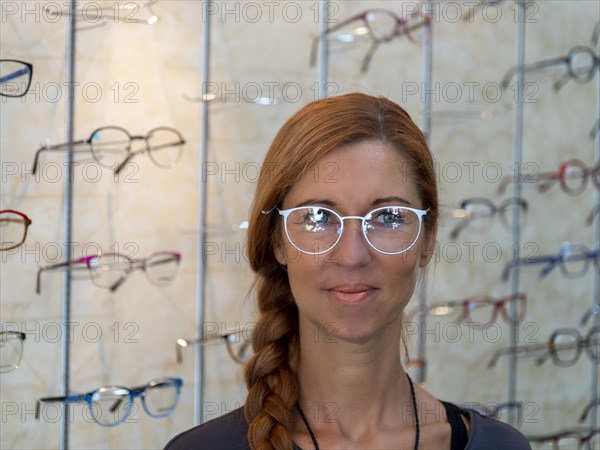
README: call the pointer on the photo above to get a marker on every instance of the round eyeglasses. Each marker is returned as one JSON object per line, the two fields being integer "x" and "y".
{"x": 390, "y": 230}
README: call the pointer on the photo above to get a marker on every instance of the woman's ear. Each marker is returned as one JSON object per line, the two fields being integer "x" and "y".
{"x": 427, "y": 249}
{"x": 279, "y": 254}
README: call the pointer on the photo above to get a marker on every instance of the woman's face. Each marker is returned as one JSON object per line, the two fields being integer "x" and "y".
{"x": 353, "y": 291}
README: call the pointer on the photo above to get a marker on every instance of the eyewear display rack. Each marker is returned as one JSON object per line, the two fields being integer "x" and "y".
{"x": 322, "y": 75}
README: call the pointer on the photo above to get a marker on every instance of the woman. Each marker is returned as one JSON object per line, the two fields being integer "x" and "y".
{"x": 341, "y": 226}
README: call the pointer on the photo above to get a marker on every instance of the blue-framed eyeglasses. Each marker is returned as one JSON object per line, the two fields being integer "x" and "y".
{"x": 111, "y": 405}
{"x": 573, "y": 260}
{"x": 15, "y": 77}
{"x": 390, "y": 230}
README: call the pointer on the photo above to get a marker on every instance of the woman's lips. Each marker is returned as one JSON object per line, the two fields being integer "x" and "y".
{"x": 350, "y": 294}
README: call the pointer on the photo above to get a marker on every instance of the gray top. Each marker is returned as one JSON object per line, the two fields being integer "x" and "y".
{"x": 228, "y": 432}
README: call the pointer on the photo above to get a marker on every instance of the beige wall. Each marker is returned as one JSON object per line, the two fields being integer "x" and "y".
{"x": 135, "y": 76}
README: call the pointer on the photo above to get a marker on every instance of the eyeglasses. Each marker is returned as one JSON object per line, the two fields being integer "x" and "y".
{"x": 581, "y": 62}
{"x": 237, "y": 345}
{"x": 477, "y": 214}
{"x": 572, "y": 177}
{"x": 314, "y": 230}
{"x": 564, "y": 348}
{"x": 112, "y": 405}
{"x": 110, "y": 270}
{"x": 13, "y": 229}
{"x": 15, "y": 77}
{"x": 581, "y": 439}
{"x": 111, "y": 147}
{"x": 11, "y": 350}
{"x": 381, "y": 25}
{"x": 481, "y": 310}
{"x": 573, "y": 260}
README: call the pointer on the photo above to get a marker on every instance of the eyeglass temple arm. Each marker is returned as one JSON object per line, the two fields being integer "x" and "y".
{"x": 532, "y": 67}
{"x": 11, "y": 76}
{"x": 74, "y": 398}
{"x": 57, "y": 147}
{"x": 588, "y": 408}
{"x": 523, "y": 350}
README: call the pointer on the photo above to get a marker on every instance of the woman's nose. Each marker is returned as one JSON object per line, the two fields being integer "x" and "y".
{"x": 352, "y": 249}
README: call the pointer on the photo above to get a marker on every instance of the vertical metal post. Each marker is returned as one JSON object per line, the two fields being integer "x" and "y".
{"x": 202, "y": 196}
{"x": 596, "y": 280}
{"x": 68, "y": 222}
{"x": 521, "y": 6}
{"x": 323, "y": 59}
{"x": 426, "y": 128}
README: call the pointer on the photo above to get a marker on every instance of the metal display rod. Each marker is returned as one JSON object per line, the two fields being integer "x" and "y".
{"x": 323, "y": 61}
{"x": 68, "y": 224}
{"x": 199, "y": 360}
{"x": 426, "y": 128}
{"x": 516, "y": 212}
{"x": 596, "y": 280}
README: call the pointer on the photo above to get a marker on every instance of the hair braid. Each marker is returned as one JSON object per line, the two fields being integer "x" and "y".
{"x": 271, "y": 381}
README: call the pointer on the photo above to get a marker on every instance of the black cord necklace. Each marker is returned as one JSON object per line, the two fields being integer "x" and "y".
{"x": 414, "y": 402}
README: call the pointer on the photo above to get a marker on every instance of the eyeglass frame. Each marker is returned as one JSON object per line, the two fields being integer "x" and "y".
{"x": 551, "y": 261}
{"x": 566, "y": 60}
{"x": 551, "y": 349}
{"x": 401, "y": 23}
{"x": 132, "y": 393}
{"x": 228, "y": 338}
{"x": 466, "y": 220}
{"x": 592, "y": 404}
{"x": 16, "y": 74}
{"x": 286, "y": 212}
{"x": 133, "y": 264}
{"x": 464, "y": 305}
{"x": 26, "y": 221}
{"x": 546, "y": 179}
{"x": 130, "y": 154}
{"x": 22, "y": 338}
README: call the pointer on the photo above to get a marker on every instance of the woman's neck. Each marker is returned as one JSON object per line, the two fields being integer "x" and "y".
{"x": 356, "y": 385}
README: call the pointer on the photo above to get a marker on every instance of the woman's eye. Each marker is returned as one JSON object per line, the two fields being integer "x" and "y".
{"x": 318, "y": 216}
{"x": 389, "y": 217}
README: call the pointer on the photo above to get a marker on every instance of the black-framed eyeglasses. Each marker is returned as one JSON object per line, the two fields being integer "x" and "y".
{"x": 13, "y": 229}
{"x": 574, "y": 260}
{"x": 238, "y": 347}
{"x": 477, "y": 214}
{"x": 381, "y": 26}
{"x": 479, "y": 310}
{"x": 314, "y": 230}
{"x": 110, "y": 270}
{"x": 11, "y": 350}
{"x": 15, "y": 77}
{"x": 112, "y": 405}
{"x": 574, "y": 438}
{"x": 111, "y": 147}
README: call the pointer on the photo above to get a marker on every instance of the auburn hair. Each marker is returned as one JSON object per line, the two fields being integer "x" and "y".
{"x": 315, "y": 130}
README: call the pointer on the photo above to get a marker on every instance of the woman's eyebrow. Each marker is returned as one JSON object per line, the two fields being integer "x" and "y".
{"x": 316, "y": 201}
{"x": 390, "y": 199}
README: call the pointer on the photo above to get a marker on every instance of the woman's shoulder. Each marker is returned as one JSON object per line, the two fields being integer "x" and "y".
{"x": 228, "y": 431}
{"x": 490, "y": 434}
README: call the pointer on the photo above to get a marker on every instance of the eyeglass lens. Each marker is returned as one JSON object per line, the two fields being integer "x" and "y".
{"x": 566, "y": 346}
{"x": 160, "y": 399}
{"x": 485, "y": 311}
{"x": 11, "y": 350}
{"x": 108, "y": 269}
{"x": 110, "y": 146}
{"x": 165, "y": 146}
{"x": 384, "y": 25}
{"x": 110, "y": 405}
{"x": 15, "y": 78}
{"x": 12, "y": 230}
{"x": 574, "y": 264}
{"x": 389, "y": 229}
{"x": 582, "y": 63}
{"x": 161, "y": 268}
